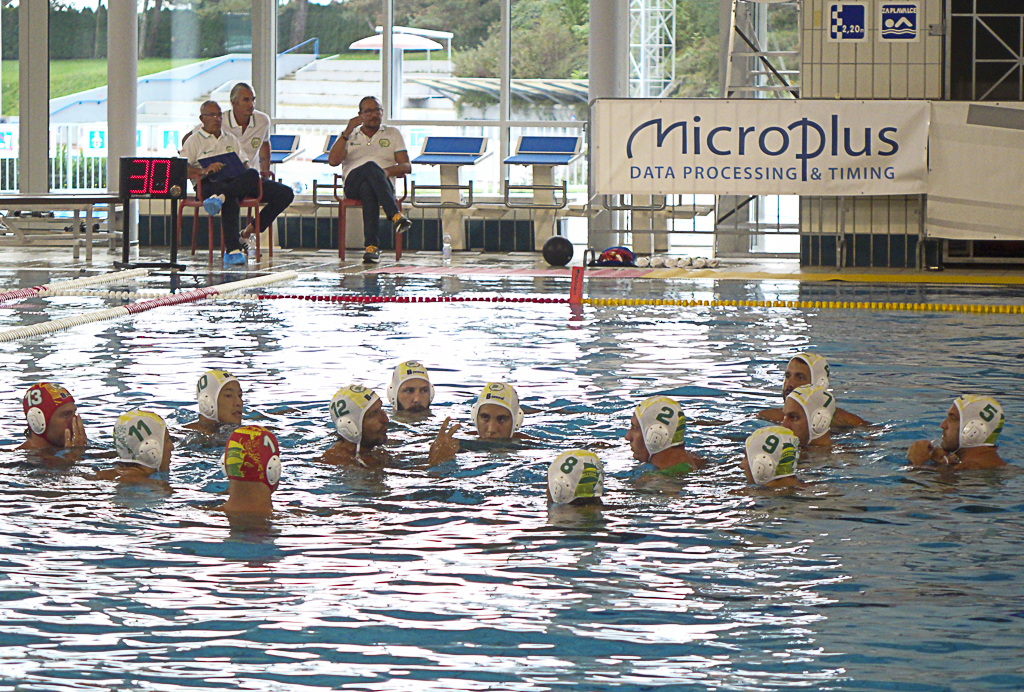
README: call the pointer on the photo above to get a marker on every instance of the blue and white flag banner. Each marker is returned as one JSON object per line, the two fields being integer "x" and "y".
{"x": 759, "y": 147}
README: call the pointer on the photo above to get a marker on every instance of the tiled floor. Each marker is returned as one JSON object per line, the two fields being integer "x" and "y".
{"x": 58, "y": 263}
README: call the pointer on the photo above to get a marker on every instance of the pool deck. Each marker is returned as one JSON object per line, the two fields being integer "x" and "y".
{"x": 525, "y": 265}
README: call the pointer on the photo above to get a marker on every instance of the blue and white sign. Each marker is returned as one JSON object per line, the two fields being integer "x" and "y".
{"x": 759, "y": 147}
{"x": 171, "y": 139}
{"x": 899, "y": 22}
{"x": 97, "y": 139}
{"x": 7, "y": 140}
{"x": 848, "y": 22}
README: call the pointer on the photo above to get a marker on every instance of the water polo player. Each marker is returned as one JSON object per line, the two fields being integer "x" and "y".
{"x": 769, "y": 457}
{"x": 809, "y": 368}
{"x": 252, "y": 464}
{"x": 808, "y": 414}
{"x": 410, "y": 390}
{"x": 53, "y": 420}
{"x": 497, "y": 415}
{"x": 656, "y": 435}
{"x": 360, "y": 421}
{"x": 576, "y": 478}
{"x": 969, "y": 433}
{"x": 219, "y": 396}
{"x": 143, "y": 447}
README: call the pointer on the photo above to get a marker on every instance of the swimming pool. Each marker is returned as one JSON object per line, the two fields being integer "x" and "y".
{"x": 460, "y": 577}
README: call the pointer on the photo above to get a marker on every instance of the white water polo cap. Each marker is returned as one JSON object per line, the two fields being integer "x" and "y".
{"x": 575, "y": 474}
{"x": 662, "y": 423}
{"x": 818, "y": 366}
{"x": 409, "y": 370}
{"x": 348, "y": 407}
{"x": 772, "y": 453}
{"x": 500, "y": 394}
{"x": 139, "y": 438}
{"x": 819, "y": 406}
{"x": 981, "y": 420}
{"x": 208, "y": 389}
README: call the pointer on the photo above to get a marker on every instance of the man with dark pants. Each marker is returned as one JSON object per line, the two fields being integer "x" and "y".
{"x": 252, "y": 130}
{"x": 372, "y": 154}
{"x": 220, "y": 196}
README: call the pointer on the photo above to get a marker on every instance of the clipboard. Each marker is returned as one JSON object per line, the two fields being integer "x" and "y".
{"x": 233, "y": 166}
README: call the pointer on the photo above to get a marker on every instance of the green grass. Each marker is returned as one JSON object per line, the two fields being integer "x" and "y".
{"x": 70, "y": 76}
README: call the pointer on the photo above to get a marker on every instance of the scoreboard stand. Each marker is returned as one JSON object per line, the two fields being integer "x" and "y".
{"x": 151, "y": 178}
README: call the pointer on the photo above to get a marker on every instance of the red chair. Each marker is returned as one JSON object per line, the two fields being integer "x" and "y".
{"x": 250, "y": 204}
{"x": 344, "y": 203}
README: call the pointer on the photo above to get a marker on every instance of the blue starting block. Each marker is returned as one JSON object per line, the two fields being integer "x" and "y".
{"x": 322, "y": 158}
{"x": 543, "y": 153}
{"x": 283, "y": 148}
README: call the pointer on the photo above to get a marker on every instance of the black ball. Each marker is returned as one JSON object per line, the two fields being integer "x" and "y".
{"x": 557, "y": 251}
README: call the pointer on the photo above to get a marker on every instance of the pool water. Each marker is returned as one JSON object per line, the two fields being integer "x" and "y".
{"x": 459, "y": 577}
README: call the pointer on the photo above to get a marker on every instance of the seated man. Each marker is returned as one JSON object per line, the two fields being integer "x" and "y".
{"x": 969, "y": 433}
{"x": 222, "y": 195}
{"x": 809, "y": 368}
{"x": 53, "y": 420}
{"x": 372, "y": 155}
{"x": 769, "y": 458}
{"x": 252, "y": 463}
{"x": 656, "y": 435}
{"x": 410, "y": 389}
{"x": 808, "y": 414}
{"x": 576, "y": 478}
{"x": 360, "y": 421}
{"x": 143, "y": 445}
{"x": 220, "y": 401}
{"x": 497, "y": 414}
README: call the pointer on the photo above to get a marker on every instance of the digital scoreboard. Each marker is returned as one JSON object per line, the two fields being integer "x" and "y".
{"x": 153, "y": 178}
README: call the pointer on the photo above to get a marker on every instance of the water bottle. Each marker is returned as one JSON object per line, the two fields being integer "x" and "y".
{"x": 251, "y": 251}
{"x": 446, "y": 249}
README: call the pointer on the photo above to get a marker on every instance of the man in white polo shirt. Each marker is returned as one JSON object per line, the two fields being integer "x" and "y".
{"x": 252, "y": 129}
{"x": 219, "y": 196}
{"x": 372, "y": 154}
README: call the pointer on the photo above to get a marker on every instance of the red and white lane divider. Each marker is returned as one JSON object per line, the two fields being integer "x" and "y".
{"x": 73, "y": 284}
{"x": 142, "y": 306}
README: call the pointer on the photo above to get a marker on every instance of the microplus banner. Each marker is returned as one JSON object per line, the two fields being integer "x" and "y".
{"x": 759, "y": 147}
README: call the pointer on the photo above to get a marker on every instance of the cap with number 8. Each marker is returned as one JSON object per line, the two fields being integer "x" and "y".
{"x": 575, "y": 474}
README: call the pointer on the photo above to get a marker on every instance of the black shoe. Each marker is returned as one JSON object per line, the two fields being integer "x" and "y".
{"x": 402, "y": 225}
{"x": 372, "y": 255}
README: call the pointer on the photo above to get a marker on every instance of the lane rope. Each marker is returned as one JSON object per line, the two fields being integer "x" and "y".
{"x": 142, "y": 306}
{"x": 98, "y": 280}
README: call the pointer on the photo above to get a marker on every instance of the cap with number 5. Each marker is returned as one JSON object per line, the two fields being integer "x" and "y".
{"x": 575, "y": 474}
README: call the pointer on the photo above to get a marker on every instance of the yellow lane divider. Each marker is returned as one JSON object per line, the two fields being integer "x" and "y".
{"x": 810, "y": 304}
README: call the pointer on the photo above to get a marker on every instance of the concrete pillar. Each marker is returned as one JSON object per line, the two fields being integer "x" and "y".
{"x": 34, "y": 97}
{"x": 609, "y": 78}
{"x": 264, "y": 55}
{"x": 122, "y": 84}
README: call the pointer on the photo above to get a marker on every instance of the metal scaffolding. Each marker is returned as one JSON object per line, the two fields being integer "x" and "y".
{"x": 652, "y": 47}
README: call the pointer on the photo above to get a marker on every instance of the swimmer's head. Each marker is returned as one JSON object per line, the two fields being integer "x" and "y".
{"x": 141, "y": 437}
{"x": 808, "y": 412}
{"x": 805, "y": 368}
{"x": 49, "y": 411}
{"x": 359, "y": 417}
{"x": 972, "y": 421}
{"x": 253, "y": 455}
{"x": 575, "y": 475}
{"x": 220, "y": 397}
{"x": 410, "y": 389}
{"x": 496, "y": 412}
{"x": 771, "y": 453}
{"x": 657, "y": 424}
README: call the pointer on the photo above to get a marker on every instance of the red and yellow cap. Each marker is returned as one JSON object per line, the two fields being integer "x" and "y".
{"x": 252, "y": 454}
{"x": 41, "y": 401}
